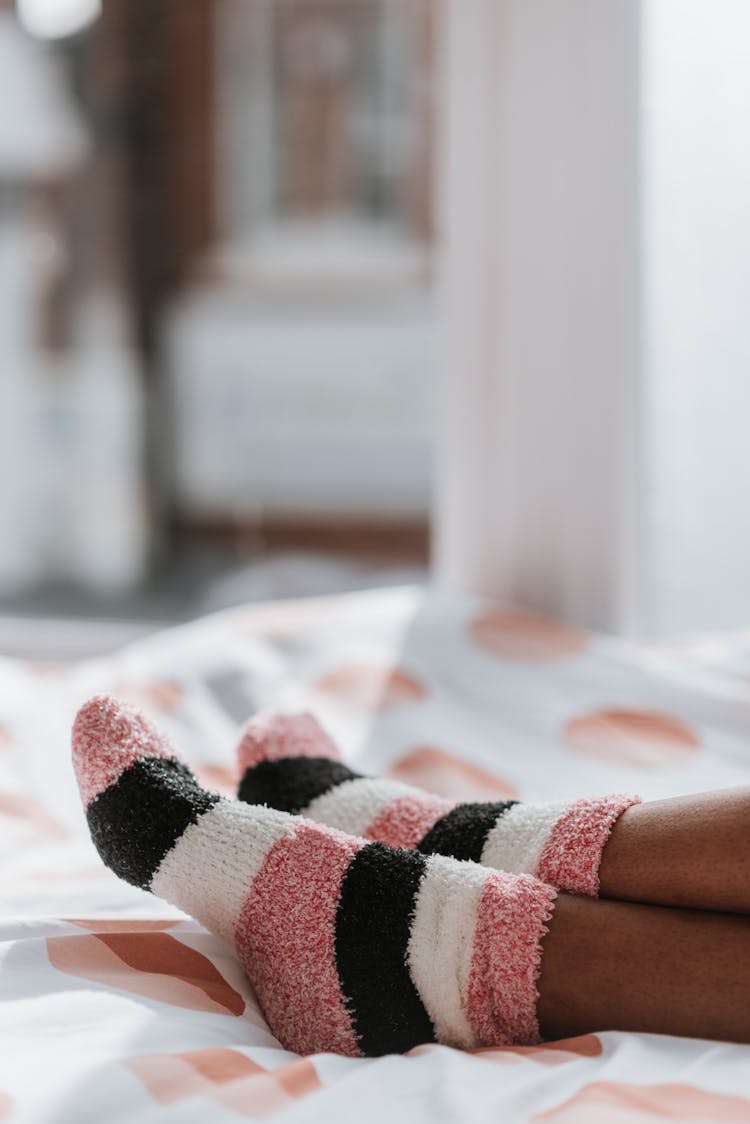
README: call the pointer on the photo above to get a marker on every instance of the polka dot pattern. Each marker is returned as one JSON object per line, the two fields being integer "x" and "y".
{"x": 148, "y": 963}
{"x": 226, "y": 1077}
{"x": 446, "y": 774}
{"x": 162, "y": 696}
{"x": 525, "y": 638}
{"x": 218, "y": 778}
{"x": 548, "y": 1054}
{"x": 371, "y": 687}
{"x": 641, "y": 738}
{"x": 619, "y": 1102}
{"x": 24, "y": 815}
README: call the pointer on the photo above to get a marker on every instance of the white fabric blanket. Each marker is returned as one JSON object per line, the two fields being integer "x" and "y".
{"x": 113, "y": 1006}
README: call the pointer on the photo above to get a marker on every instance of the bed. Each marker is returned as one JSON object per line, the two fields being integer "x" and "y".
{"x": 115, "y": 1006}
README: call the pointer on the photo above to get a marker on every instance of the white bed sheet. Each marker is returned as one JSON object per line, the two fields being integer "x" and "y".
{"x": 113, "y": 1006}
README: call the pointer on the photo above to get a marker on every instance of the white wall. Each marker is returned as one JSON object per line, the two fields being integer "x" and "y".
{"x": 695, "y": 154}
{"x": 595, "y": 282}
{"x": 534, "y": 495}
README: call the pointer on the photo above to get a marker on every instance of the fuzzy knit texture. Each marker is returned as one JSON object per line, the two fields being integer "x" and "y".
{"x": 288, "y": 762}
{"x": 352, "y": 946}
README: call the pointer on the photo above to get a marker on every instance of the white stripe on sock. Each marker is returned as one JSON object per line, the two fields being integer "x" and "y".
{"x": 210, "y": 869}
{"x": 352, "y": 805}
{"x": 441, "y": 944}
{"x": 516, "y": 841}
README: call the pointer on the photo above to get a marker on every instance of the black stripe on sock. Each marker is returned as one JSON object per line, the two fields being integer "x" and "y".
{"x": 462, "y": 832}
{"x": 140, "y": 817}
{"x": 373, "y": 922}
{"x": 291, "y": 783}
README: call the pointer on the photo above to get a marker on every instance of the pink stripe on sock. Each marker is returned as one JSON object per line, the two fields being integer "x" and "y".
{"x": 268, "y": 737}
{"x": 108, "y": 737}
{"x": 502, "y": 995}
{"x": 407, "y": 819}
{"x": 285, "y": 935}
{"x": 572, "y": 854}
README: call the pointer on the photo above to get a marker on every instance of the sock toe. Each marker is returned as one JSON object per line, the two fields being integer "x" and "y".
{"x": 271, "y": 737}
{"x": 139, "y": 797}
{"x": 109, "y": 737}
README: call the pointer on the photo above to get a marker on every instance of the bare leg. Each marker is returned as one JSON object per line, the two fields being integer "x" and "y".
{"x": 686, "y": 851}
{"x": 617, "y": 966}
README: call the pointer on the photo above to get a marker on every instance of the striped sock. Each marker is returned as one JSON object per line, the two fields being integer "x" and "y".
{"x": 291, "y": 764}
{"x": 352, "y": 947}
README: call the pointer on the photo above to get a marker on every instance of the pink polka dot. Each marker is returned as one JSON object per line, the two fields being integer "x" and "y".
{"x": 371, "y": 686}
{"x": 227, "y": 1077}
{"x": 280, "y": 619}
{"x": 441, "y": 772}
{"x": 619, "y": 1102}
{"x": 47, "y": 669}
{"x": 27, "y": 816}
{"x": 520, "y": 636}
{"x": 144, "y": 925}
{"x": 218, "y": 778}
{"x": 6, "y": 1104}
{"x": 160, "y": 694}
{"x": 644, "y": 738}
{"x": 548, "y": 1053}
{"x": 147, "y": 963}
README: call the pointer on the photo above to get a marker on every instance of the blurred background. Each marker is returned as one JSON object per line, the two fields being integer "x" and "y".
{"x": 217, "y": 317}
{"x": 303, "y": 296}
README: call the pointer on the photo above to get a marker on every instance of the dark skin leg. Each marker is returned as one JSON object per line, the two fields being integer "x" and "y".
{"x": 691, "y": 851}
{"x": 669, "y": 953}
{"x": 611, "y": 965}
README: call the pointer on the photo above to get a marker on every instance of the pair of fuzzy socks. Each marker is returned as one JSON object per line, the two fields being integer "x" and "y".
{"x": 290, "y": 763}
{"x": 352, "y": 946}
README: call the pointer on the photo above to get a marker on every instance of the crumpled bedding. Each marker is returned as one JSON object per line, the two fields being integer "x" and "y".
{"x": 114, "y": 1006}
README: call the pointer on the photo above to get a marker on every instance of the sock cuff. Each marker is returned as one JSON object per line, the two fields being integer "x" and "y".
{"x": 513, "y": 915}
{"x": 572, "y": 854}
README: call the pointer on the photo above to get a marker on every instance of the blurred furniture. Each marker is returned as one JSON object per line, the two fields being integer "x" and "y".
{"x": 300, "y": 342}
